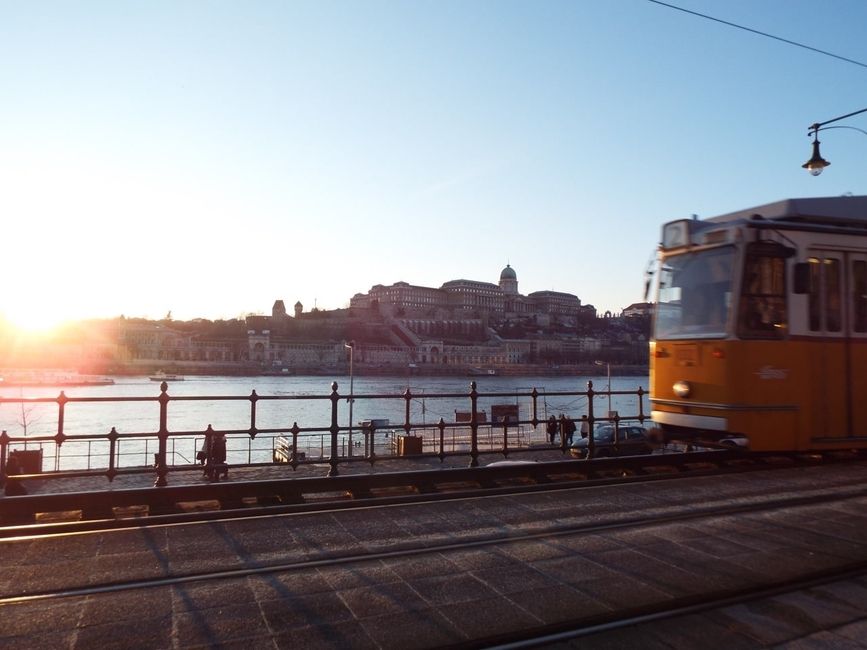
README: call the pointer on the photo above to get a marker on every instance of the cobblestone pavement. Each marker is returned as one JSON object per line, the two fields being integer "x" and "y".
{"x": 444, "y": 595}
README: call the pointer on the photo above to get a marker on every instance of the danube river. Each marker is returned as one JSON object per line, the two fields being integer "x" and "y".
{"x": 96, "y": 418}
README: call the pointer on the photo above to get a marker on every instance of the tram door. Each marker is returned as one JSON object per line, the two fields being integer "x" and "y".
{"x": 857, "y": 301}
{"x": 829, "y": 353}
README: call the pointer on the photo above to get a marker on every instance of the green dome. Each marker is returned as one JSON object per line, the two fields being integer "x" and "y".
{"x": 508, "y": 273}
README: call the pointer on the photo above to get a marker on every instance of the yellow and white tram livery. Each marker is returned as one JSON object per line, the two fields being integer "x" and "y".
{"x": 760, "y": 328}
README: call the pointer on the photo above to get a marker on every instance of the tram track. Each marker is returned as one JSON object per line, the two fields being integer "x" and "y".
{"x": 588, "y": 627}
{"x": 418, "y": 487}
{"x": 842, "y": 491}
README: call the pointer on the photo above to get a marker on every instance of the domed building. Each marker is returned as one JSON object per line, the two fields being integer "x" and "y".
{"x": 460, "y": 300}
{"x": 509, "y": 280}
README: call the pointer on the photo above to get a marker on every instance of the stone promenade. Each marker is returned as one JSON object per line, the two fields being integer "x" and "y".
{"x": 383, "y": 577}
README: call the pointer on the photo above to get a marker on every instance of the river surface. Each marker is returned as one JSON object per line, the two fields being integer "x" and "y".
{"x": 94, "y": 419}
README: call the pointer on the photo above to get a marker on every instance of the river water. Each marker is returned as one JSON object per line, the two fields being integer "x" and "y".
{"x": 94, "y": 419}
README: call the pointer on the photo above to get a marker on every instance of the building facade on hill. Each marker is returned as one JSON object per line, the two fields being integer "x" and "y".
{"x": 463, "y": 323}
{"x": 461, "y": 299}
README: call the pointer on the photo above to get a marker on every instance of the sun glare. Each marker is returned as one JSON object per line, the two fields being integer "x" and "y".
{"x": 34, "y": 323}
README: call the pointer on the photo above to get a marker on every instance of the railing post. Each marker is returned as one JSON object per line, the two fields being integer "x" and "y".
{"x": 474, "y": 426}
{"x": 294, "y": 458}
{"x": 616, "y": 433}
{"x": 163, "y": 436}
{"x": 4, "y": 448}
{"x": 335, "y": 429}
{"x": 112, "y": 447}
{"x": 641, "y": 416}
{"x": 370, "y": 442}
{"x": 60, "y": 436}
{"x": 407, "y": 425}
{"x": 534, "y": 394}
{"x": 441, "y": 425}
{"x": 591, "y": 421}
{"x": 563, "y": 434}
{"x": 254, "y": 397}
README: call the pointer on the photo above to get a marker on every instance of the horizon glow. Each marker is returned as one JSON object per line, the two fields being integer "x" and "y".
{"x": 208, "y": 159}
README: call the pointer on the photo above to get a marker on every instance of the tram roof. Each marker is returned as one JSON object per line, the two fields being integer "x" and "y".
{"x": 840, "y": 210}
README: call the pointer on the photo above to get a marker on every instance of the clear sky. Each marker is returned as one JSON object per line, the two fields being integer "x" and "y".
{"x": 210, "y": 157}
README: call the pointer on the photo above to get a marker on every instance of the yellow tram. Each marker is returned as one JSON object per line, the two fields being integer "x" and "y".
{"x": 760, "y": 330}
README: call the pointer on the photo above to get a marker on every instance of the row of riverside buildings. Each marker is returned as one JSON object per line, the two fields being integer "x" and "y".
{"x": 462, "y": 326}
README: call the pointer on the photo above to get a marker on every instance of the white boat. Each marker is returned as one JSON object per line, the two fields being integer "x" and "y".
{"x": 163, "y": 376}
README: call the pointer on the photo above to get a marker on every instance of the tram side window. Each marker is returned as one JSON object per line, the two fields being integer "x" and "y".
{"x": 859, "y": 295}
{"x": 815, "y": 303}
{"x": 763, "y": 298}
{"x": 833, "y": 303}
{"x": 826, "y": 295}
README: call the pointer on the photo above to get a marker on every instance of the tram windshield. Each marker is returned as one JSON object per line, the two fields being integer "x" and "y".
{"x": 695, "y": 294}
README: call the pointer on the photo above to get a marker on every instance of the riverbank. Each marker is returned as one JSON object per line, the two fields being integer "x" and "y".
{"x": 363, "y": 370}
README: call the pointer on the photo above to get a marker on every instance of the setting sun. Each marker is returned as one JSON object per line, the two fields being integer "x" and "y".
{"x": 35, "y": 323}
{"x": 34, "y": 315}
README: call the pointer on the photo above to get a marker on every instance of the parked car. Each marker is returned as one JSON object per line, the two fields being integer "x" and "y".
{"x": 631, "y": 441}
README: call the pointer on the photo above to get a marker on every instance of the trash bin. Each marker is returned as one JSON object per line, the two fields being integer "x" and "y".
{"x": 29, "y": 460}
{"x": 409, "y": 445}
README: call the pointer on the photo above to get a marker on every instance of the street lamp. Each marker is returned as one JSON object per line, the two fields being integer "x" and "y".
{"x": 351, "y": 347}
{"x": 608, "y": 364}
{"x": 816, "y": 163}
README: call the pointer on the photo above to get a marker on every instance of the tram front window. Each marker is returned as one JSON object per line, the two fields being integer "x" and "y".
{"x": 695, "y": 294}
{"x": 763, "y": 294}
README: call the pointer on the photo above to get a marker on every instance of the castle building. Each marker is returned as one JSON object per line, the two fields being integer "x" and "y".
{"x": 461, "y": 299}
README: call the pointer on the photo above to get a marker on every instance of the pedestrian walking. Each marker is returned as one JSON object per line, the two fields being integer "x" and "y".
{"x": 570, "y": 429}
{"x": 552, "y": 428}
{"x": 585, "y": 426}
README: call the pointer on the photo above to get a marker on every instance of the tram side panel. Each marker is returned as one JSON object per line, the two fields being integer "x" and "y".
{"x": 736, "y": 388}
{"x": 829, "y": 322}
{"x": 859, "y": 388}
{"x": 767, "y": 392}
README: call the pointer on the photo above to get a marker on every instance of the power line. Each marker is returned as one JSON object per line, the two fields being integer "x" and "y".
{"x": 755, "y": 31}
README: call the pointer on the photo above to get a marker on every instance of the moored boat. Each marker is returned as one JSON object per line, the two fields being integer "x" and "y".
{"x": 164, "y": 376}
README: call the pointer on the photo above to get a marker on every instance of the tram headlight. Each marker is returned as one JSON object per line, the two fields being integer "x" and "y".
{"x": 681, "y": 389}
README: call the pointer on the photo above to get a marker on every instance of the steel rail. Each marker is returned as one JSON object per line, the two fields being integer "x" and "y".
{"x": 507, "y": 538}
{"x": 480, "y": 482}
{"x": 674, "y": 609}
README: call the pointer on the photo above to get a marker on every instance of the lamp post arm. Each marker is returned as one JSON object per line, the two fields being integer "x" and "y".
{"x": 854, "y": 128}
{"x": 818, "y": 125}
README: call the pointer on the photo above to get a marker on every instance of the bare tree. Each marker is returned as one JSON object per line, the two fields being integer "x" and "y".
{"x": 27, "y": 418}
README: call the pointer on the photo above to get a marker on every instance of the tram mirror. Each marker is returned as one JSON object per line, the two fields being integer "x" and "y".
{"x": 802, "y": 278}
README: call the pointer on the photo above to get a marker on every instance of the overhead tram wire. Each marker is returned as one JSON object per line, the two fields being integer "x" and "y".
{"x": 760, "y": 33}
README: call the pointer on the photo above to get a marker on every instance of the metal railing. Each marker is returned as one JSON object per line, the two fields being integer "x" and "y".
{"x": 114, "y": 453}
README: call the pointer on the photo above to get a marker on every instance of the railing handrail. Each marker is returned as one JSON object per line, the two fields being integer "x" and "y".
{"x": 329, "y": 435}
